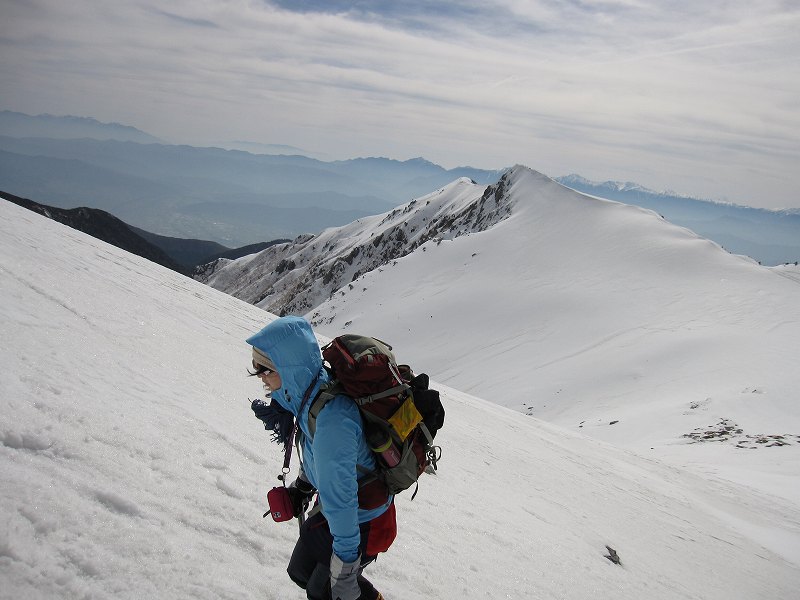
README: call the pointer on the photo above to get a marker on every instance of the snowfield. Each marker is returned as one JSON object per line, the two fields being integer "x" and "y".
{"x": 132, "y": 465}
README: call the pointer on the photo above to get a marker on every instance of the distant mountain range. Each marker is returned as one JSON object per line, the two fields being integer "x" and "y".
{"x": 770, "y": 236}
{"x": 237, "y": 198}
{"x": 232, "y": 197}
{"x": 15, "y": 124}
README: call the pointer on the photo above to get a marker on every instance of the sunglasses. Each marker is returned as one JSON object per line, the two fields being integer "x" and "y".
{"x": 260, "y": 370}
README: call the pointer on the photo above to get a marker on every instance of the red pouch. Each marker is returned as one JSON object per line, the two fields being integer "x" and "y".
{"x": 280, "y": 504}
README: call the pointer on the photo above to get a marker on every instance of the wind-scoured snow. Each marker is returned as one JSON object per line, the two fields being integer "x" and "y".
{"x": 132, "y": 466}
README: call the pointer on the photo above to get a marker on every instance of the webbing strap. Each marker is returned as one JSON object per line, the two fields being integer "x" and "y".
{"x": 398, "y": 389}
{"x": 427, "y": 432}
{"x": 287, "y": 457}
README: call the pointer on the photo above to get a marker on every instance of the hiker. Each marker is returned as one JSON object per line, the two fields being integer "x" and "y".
{"x": 348, "y": 527}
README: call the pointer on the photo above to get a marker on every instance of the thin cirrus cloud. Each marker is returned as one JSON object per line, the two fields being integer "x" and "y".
{"x": 698, "y": 97}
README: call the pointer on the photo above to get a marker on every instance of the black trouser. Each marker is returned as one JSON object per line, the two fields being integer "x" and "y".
{"x": 309, "y": 566}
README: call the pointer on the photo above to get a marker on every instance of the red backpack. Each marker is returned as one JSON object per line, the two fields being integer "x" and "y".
{"x": 401, "y": 414}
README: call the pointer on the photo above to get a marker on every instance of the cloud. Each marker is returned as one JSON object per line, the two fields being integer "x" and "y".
{"x": 186, "y": 21}
{"x": 415, "y": 15}
{"x": 562, "y": 86}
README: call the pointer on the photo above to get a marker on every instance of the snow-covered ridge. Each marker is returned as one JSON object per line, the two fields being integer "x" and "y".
{"x": 295, "y": 277}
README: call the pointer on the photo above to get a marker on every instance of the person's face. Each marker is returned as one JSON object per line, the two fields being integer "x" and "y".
{"x": 270, "y": 379}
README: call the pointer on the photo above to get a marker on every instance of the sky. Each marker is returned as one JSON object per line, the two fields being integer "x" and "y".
{"x": 699, "y": 98}
{"x": 132, "y": 465}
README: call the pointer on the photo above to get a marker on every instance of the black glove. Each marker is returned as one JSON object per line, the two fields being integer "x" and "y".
{"x": 300, "y": 493}
{"x": 261, "y": 409}
{"x": 275, "y": 418}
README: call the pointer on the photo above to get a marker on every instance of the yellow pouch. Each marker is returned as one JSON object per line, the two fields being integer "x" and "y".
{"x": 406, "y": 418}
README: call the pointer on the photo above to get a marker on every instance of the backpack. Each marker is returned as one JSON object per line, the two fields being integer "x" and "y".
{"x": 400, "y": 413}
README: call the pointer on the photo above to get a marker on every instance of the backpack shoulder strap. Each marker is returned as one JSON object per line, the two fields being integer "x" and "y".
{"x": 326, "y": 393}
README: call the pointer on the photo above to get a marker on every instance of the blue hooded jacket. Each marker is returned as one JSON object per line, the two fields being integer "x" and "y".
{"x": 330, "y": 460}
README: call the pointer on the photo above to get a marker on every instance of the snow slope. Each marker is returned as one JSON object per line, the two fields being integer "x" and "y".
{"x": 132, "y": 467}
{"x": 605, "y": 319}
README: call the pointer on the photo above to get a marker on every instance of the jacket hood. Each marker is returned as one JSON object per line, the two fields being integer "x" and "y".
{"x": 291, "y": 345}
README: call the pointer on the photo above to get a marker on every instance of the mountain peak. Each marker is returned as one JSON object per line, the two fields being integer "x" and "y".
{"x": 419, "y": 161}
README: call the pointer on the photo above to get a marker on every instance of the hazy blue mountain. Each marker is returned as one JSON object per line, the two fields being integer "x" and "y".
{"x": 70, "y": 182}
{"x": 231, "y": 197}
{"x": 411, "y": 178}
{"x": 17, "y": 124}
{"x": 259, "y": 148}
{"x": 384, "y": 181}
{"x": 770, "y": 236}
